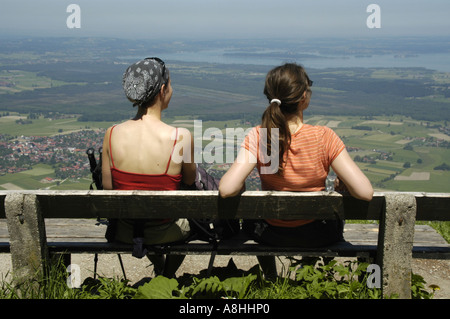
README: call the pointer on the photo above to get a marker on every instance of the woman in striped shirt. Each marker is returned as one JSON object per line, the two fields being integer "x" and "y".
{"x": 300, "y": 158}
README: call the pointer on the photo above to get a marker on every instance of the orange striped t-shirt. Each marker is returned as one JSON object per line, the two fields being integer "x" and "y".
{"x": 307, "y": 162}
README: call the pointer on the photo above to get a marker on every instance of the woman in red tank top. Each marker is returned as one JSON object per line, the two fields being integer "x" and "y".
{"x": 145, "y": 153}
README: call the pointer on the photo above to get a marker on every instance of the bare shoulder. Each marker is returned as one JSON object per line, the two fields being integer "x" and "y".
{"x": 182, "y": 134}
{"x": 182, "y": 131}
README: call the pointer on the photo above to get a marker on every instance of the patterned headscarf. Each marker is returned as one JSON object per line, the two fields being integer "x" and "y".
{"x": 142, "y": 80}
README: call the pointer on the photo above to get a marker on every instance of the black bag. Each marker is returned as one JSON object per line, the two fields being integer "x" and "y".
{"x": 210, "y": 230}
{"x": 96, "y": 168}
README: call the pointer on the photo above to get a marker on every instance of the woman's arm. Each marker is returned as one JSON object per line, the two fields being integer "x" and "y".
{"x": 233, "y": 181}
{"x": 106, "y": 167}
{"x": 349, "y": 173}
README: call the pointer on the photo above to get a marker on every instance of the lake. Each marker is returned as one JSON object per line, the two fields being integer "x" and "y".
{"x": 435, "y": 61}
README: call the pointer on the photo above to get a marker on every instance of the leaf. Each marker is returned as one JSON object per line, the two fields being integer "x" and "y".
{"x": 158, "y": 288}
{"x": 329, "y": 266}
{"x": 238, "y": 285}
{"x": 208, "y": 285}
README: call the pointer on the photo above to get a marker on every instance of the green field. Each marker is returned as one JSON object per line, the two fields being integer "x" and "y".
{"x": 44, "y": 126}
{"x": 36, "y": 179}
{"x": 392, "y": 135}
{"x": 24, "y": 81}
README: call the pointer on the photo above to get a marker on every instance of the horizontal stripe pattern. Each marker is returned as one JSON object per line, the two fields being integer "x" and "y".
{"x": 312, "y": 150}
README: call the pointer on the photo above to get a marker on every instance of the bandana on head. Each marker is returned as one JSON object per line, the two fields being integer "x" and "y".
{"x": 142, "y": 81}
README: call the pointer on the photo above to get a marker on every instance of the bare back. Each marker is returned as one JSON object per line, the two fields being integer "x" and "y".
{"x": 144, "y": 147}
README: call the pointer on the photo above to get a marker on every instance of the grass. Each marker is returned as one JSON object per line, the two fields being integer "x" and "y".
{"x": 333, "y": 280}
{"x": 442, "y": 227}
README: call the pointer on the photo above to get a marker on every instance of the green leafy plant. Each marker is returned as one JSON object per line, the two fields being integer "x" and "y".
{"x": 418, "y": 290}
{"x": 336, "y": 281}
{"x": 330, "y": 281}
{"x": 234, "y": 287}
{"x": 210, "y": 287}
{"x": 106, "y": 288}
{"x": 159, "y": 288}
{"x": 333, "y": 280}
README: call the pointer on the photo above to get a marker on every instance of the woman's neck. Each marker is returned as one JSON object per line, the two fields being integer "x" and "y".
{"x": 295, "y": 122}
{"x": 152, "y": 112}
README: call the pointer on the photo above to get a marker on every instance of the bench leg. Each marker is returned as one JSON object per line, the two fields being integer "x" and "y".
{"x": 268, "y": 266}
{"x": 395, "y": 243}
{"x": 211, "y": 262}
{"x": 28, "y": 241}
{"x": 121, "y": 265}
{"x": 95, "y": 265}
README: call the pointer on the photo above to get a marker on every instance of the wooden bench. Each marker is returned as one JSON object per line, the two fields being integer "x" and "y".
{"x": 32, "y": 214}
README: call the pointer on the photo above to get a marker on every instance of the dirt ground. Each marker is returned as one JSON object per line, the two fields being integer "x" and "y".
{"x": 435, "y": 272}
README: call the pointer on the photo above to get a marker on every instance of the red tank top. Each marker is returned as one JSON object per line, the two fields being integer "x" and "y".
{"x": 133, "y": 181}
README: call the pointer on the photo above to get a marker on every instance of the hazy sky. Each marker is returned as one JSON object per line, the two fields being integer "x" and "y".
{"x": 200, "y": 19}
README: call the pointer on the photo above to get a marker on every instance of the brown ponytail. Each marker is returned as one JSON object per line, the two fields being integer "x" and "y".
{"x": 274, "y": 118}
{"x": 286, "y": 83}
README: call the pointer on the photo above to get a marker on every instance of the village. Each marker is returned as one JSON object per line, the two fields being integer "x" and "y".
{"x": 66, "y": 153}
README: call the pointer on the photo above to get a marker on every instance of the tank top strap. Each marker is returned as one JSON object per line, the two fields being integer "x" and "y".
{"x": 110, "y": 150}
{"x": 173, "y": 148}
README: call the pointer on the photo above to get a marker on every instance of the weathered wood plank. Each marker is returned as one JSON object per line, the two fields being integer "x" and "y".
{"x": 433, "y": 206}
{"x": 90, "y": 230}
{"x": 73, "y": 230}
{"x": 4, "y": 234}
{"x": 198, "y": 204}
{"x": 201, "y": 204}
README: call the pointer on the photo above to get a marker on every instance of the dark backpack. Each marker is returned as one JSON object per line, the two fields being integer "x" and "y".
{"x": 210, "y": 230}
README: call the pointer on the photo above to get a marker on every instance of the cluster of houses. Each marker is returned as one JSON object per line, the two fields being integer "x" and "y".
{"x": 65, "y": 152}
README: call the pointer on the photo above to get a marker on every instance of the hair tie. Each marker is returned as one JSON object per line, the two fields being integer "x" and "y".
{"x": 275, "y": 101}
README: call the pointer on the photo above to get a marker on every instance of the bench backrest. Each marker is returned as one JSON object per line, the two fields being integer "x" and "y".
{"x": 207, "y": 204}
